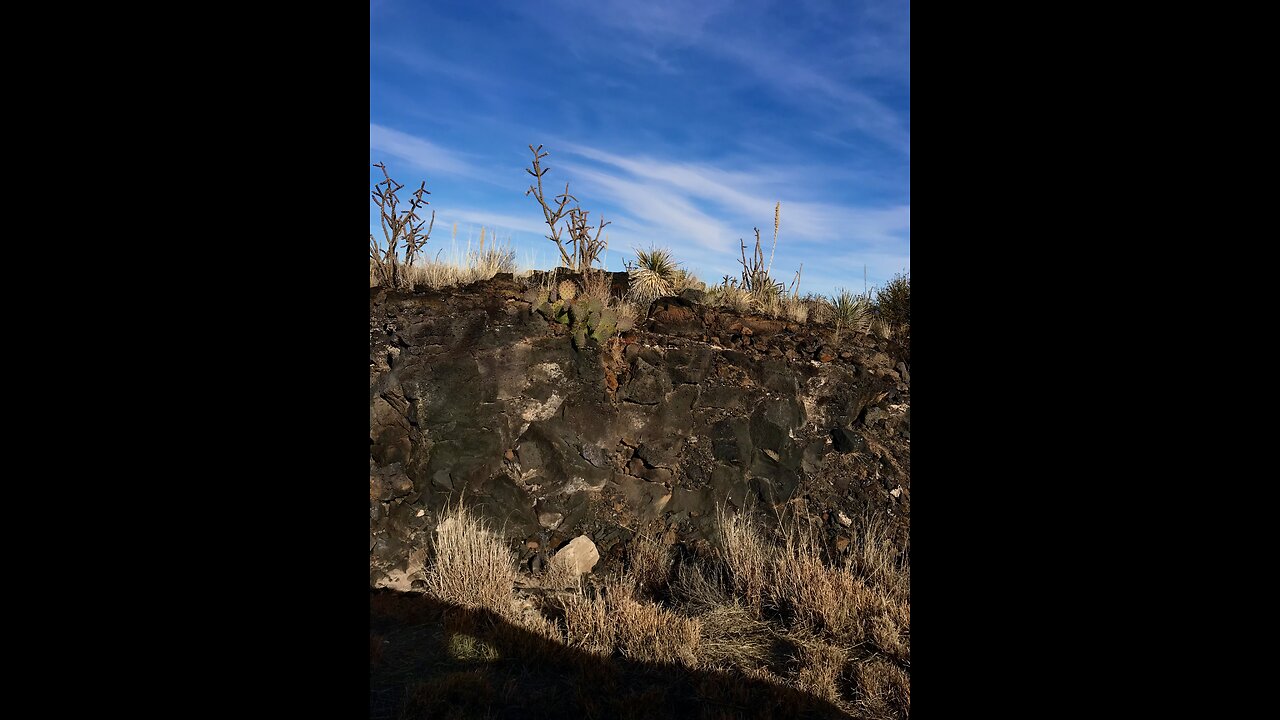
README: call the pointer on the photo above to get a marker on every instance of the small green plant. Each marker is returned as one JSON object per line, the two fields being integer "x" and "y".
{"x": 401, "y": 230}
{"x": 851, "y": 312}
{"x": 893, "y": 302}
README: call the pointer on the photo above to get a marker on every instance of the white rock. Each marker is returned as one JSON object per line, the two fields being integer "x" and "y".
{"x": 843, "y": 519}
{"x": 550, "y": 520}
{"x": 580, "y": 555}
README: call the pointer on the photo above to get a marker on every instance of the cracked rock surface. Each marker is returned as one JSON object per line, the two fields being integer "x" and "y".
{"x": 473, "y": 396}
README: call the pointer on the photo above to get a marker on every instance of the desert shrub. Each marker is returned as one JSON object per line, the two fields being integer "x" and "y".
{"x": 403, "y": 238}
{"x": 850, "y": 312}
{"x": 584, "y": 248}
{"x": 893, "y": 301}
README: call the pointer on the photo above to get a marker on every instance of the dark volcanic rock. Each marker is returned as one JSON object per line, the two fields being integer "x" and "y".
{"x": 846, "y": 441}
{"x": 475, "y": 396}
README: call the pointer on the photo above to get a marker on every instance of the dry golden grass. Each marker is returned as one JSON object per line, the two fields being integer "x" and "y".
{"x": 649, "y": 564}
{"x": 819, "y": 665}
{"x": 732, "y": 636}
{"x": 635, "y": 629}
{"x": 747, "y": 557}
{"x": 685, "y": 280}
{"x": 471, "y": 566}
{"x": 587, "y": 625}
{"x": 823, "y": 606}
{"x": 813, "y": 596}
{"x": 597, "y": 284}
{"x": 772, "y": 605}
{"x": 795, "y": 310}
{"x": 461, "y": 267}
{"x": 884, "y": 689}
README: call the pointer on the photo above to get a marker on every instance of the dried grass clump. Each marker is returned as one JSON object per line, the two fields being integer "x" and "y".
{"x": 819, "y": 665}
{"x": 635, "y": 629}
{"x": 645, "y": 631}
{"x": 471, "y": 567}
{"x": 748, "y": 558}
{"x": 587, "y": 625}
{"x": 596, "y": 284}
{"x": 685, "y": 280}
{"x": 795, "y": 310}
{"x": 732, "y": 636}
{"x": 649, "y": 565}
{"x": 731, "y": 297}
{"x": 884, "y": 689}
{"x": 461, "y": 267}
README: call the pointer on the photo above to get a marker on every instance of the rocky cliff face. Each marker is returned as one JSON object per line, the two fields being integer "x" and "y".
{"x": 476, "y": 397}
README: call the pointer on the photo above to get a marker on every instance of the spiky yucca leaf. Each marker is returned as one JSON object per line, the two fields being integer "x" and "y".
{"x": 851, "y": 312}
{"x": 654, "y": 274}
{"x": 880, "y": 328}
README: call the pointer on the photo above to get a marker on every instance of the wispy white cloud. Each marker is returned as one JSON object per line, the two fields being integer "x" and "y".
{"x": 663, "y": 184}
{"x": 702, "y": 212}
{"x": 494, "y": 220}
{"x": 824, "y": 81}
{"x": 423, "y": 154}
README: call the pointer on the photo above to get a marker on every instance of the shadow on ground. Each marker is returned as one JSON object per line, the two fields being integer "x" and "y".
{"x": 430, "y": 659}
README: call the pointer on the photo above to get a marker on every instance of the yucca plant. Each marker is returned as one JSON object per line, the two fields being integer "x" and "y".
{"x": 654, "y": 274}
{"x": 851, "y": 312}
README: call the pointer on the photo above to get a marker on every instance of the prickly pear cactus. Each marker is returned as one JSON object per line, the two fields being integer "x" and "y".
{"x": 568, "y": 290}
{"x": 561, "y": 309}
{"x": 604, "y": 325}
{"x": 578, "y": 312}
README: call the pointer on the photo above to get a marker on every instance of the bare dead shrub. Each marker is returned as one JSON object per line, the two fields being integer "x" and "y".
{"x": 401, "y": 230}
{"x": 584, "y": 248}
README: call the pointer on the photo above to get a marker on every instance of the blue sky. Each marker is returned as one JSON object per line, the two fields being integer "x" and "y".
{"x": 683, "y": 122}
